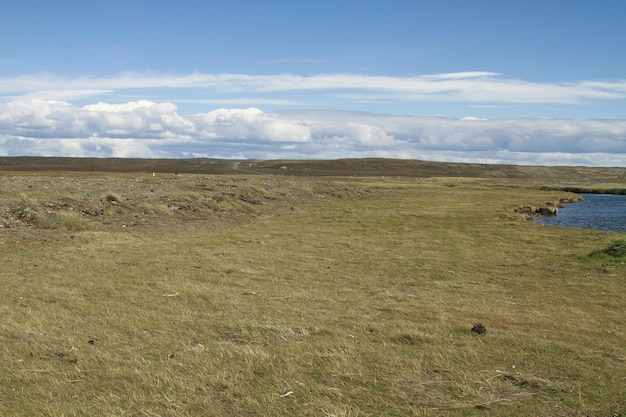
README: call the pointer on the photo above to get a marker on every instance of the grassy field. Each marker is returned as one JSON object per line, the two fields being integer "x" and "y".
{"x": 214, "y": 295}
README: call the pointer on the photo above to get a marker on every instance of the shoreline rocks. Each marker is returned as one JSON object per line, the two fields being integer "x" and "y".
{"x": 551, "y": 209}
{"x": 534, "y": 213}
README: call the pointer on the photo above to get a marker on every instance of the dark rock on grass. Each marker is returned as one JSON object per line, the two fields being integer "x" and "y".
{"x": 480, "y": 329}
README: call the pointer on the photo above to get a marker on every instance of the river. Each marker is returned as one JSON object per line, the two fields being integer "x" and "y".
{"x": 598, "y": 211}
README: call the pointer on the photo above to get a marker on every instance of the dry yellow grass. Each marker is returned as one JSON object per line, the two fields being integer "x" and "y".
{"x": 267, "y": 296}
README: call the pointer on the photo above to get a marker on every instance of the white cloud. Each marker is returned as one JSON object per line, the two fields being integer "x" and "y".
{"x": 248, "y": 124}
{"x": 147, "y": 129}
{"x": 473, "y": 87}
{"x": 241, "y": 101}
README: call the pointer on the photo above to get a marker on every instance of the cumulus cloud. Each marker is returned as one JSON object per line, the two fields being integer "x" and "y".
{"x": 248, "y": 124}
{"x": 148, "y": 129}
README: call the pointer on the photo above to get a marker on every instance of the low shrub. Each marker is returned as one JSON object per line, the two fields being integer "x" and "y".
{"x": 616, "y": 250}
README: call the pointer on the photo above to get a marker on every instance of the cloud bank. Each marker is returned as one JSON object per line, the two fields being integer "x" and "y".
{"x": 471, "y": 86}
{"x": 148, "y": 129}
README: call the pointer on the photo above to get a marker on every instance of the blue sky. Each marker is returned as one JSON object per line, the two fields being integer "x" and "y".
{"x": 534, "y": 82}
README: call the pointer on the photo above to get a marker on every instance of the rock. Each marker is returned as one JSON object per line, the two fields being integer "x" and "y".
{"x": 533, "y": 213}
{"x": 479, "y": 328}
{"x": 547, "y": 211}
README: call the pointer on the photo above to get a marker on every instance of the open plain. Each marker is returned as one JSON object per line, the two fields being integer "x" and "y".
{"x": 292, "y": 288}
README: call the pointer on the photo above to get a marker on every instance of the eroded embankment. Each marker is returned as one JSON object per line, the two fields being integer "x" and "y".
{"x": 551, "y": 208}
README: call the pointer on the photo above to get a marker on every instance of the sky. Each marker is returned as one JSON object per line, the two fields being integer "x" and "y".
{"x": 532, "y": 82}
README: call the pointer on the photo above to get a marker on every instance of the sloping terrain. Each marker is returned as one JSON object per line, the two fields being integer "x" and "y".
{"x": 341, "y": 167}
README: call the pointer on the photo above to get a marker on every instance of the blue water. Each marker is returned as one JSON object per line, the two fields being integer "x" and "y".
{"x": 598, "y": 211}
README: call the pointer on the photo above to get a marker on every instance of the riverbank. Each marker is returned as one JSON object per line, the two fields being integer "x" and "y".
{"x": 551, "y": 208}
{"x": 602, "y": 189}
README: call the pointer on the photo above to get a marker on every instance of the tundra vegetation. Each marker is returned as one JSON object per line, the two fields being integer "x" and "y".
{"x": 259, "y": 295}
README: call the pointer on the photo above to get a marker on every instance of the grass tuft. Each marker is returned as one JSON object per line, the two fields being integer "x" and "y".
{"x": 147, "y": 208}
{"x": 113, "y": 198}
{"x": 27, "y": 200}
{"x": 70, "y": 220}
{"x": 616, "y": 250}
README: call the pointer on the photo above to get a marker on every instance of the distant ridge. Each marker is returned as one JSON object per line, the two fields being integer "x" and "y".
{"x": 360, "y": 167}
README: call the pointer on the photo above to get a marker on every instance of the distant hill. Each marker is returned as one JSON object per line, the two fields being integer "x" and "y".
{"x": 364, "y": 167}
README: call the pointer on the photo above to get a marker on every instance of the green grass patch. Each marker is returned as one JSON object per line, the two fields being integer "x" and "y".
{"x": 148, "y": 208}
{"x": 592, "y": 189}
{"x": 616, "y": 250}
{"x": 69, "y": 220}
{"x": 27, "y": 200}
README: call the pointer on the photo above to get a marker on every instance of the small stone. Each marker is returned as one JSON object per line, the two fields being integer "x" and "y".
{"x": 480, "y": 329}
